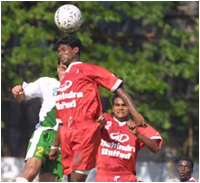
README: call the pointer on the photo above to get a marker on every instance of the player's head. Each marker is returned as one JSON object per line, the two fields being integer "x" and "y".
{"x": 185, "y": 168}
{"x": 116, "y": 96}
{"x": 119, "y": 108}
{"x": 69, "y": 48}
{"x": 61, "y": 69}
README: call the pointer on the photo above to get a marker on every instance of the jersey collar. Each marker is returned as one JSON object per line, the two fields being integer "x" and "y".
{"x": 73, "y": 63}
{"x": 121, "y": 123}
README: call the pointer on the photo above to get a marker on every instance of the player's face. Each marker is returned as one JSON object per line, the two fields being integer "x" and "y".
{"x": 184, "y": 170}
{"x": 67, "y": 54}
{"x": 61, "y": 69}
{"x": 120, "y": 110}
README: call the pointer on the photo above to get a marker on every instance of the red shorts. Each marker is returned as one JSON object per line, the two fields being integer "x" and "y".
{"x": 79, "y": 147}
{"x": 115, "y": 177}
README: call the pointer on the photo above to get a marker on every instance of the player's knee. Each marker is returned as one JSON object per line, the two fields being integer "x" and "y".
{"x": 21, "y": 179}
{"x": 32, "y": 171}
{"x": 78, "y": 177}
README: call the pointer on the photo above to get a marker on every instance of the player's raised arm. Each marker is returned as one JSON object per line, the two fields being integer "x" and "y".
{"x": 138, "y": 118}
{"x": 151, "y": 144}
{"x": 19, "y": 93}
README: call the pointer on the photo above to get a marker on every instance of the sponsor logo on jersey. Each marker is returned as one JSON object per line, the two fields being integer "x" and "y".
{"x": 118, "y": 146}
{"x": 70, "y": 95}
{"x": 119, "y": 137}
{"x": 116, "y": 149}
{"x": 105, "y": 151}
{"x": 66, "y": 85}
{"x": 66, "y": 105}
{"x": 55, "y": 91}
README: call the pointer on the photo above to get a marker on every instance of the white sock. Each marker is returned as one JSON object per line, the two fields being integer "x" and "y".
{"x": 21, "y": 179}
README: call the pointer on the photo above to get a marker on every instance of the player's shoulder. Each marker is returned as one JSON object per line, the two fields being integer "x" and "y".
{"x": 47, "y": 79}
{"x": 88, "y": 64}
{"x": 108, "y": 116}
{"x": 91, "y": 66}
{"x": 192, "y": 179}
{"x": 148, "y": 126}
{"x": 148, "y": 129}
{"x": 44, "y": 82}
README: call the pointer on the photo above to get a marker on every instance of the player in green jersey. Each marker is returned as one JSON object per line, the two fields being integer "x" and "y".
{"x": 39, "y": 146}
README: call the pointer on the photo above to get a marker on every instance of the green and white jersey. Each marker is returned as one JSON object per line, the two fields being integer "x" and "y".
{"x": 44, "y": 88}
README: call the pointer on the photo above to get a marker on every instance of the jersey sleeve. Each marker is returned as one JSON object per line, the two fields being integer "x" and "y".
{"x": 33, "y": 89}
{"x": 105, "y": 78}
{"x": 151, "y": 133}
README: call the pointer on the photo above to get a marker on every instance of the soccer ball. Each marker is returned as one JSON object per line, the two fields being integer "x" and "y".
{"x": 68, "y": 18}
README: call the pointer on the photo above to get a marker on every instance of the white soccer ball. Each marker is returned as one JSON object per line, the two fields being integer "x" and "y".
{"x": 68, "y": 18}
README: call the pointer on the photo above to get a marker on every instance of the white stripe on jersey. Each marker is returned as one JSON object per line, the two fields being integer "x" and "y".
{"x": 34, "y": 140}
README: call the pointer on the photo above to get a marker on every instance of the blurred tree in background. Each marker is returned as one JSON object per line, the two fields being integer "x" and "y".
{"x": 152, "y": 46}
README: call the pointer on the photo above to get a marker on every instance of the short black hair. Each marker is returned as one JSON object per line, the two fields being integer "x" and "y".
{"x": 189, "y": 160}
{"x": 71, "y": 41}
{"x": 116, "y": 96}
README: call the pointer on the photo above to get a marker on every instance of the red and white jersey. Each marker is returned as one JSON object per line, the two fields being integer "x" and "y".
{"x": 119, "y": 147}
{"x": 78, "y": 100}
{"x": 191, "y": 180}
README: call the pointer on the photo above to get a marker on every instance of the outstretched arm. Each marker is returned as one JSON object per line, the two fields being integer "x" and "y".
{"x": 151, "y": 144}
{"x": 138, "y": 118}
{"x": 19, "y": 93}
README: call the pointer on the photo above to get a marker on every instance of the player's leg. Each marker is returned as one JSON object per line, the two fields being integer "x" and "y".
{"x": 78, "y": 177}
{"x": 51, "y": 171}
{"x": 33, "y": 164}
{"x": 87, "y": 141}
{"x": 66, "y": 151}
{"x": 31, "y": 169}
{"x": 35, "y": 155}
{"x": 48, "y": 177}
{"x": 66, "y": 138}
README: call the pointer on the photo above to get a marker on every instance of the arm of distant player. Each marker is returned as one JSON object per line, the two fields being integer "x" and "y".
{"x": 151, "y": 144}
{"x": 19, "y": 93}
{"x": 53, "y": 155}
{"x": 138, "y": 118}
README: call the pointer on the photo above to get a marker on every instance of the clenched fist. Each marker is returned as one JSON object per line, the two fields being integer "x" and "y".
{"x": 132, "y": 127}
{"x": 19, "y": 93}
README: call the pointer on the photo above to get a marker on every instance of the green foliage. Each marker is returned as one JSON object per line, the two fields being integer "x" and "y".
{"x": 159, "y": 64}
{"x": 2, "y": 124}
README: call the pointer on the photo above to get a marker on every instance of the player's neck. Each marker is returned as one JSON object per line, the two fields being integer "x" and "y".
{"x": 122, "y": 120}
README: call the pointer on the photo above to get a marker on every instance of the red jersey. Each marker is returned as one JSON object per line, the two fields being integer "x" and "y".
{"x": 119, "y": 147}
{"x": 191, "y": 180}
{"x": 78, "y": 99}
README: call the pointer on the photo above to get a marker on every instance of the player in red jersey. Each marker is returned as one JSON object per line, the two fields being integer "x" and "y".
{"x": 79, "y": 106}
{"x": 120, "y": 142}
{"x": 185, "y": 169}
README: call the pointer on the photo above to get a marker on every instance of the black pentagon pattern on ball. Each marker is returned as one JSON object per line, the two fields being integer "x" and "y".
{"x": 68, "y": 18}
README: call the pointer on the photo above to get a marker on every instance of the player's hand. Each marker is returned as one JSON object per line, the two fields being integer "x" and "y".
{"x": 101, "y": 119}
{"x": 132, "y": 127}
{"x": 139, "y": 120}
{"x": 18, "y": 92}
{"x": 53, "y": 155}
